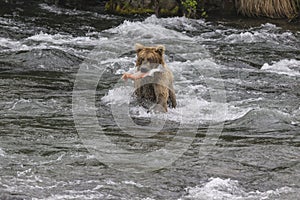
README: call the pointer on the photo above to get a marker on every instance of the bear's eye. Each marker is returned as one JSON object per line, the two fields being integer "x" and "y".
{"x": 139, "y": 61}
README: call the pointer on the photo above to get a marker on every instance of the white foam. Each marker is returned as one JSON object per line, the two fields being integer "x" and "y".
{"x": 64, "y": 11}
{"x": 21, "y": 101}
{"x": 147, "y": 31}
{"x": 10, "y": 44}
{"x": 269, "y": 26}
{"x": 196, "y": 110}
{"x": 267, "y": 33}
{"x": 245, "y": 37}
{"x": 286, "y": 67}
{"x": 181, "y": 23}
{"x": 60, "y": 11}
{"x": 52, "y": 9}
{"x": 118, "y": 96}
{"x": 296, "y": 116}
{"x": 13, "y": 45}
{"x": 60, "y": 39}
{"x": 2, "y": 153}
{"x": 257, "y": 36}
{"x": 74, "y": 196}
{"x": 12, "y": 24}
{"x": 190, "y": 109}
{"x": 227, "y": 189}
{"x": 133, "y": 183}
{"x": 66, "y": 43}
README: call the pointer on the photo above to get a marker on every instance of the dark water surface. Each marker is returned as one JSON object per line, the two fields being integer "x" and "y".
{"x": 64, "y": 126}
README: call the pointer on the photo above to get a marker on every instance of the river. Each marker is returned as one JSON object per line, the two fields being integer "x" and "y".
{"x": 71, "y": 129}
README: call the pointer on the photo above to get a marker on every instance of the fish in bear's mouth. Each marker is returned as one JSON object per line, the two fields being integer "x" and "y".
{"x": 142, "y": 73}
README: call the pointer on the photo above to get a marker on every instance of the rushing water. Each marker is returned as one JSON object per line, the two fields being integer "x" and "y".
{"x": 236, "y": 125}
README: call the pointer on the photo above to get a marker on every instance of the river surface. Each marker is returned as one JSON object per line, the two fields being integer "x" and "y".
{"x": 71, "y": 129}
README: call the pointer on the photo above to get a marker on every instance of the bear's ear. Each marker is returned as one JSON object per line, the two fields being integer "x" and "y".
{"x": 139, "y": 47}
{"x": 160, "y": 49}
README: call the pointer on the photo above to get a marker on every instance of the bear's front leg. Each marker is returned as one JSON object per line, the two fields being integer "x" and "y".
{"x": 162, "y": 95}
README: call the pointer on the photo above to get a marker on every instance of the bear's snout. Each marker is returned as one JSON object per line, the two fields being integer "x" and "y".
{"x": 144, "y": 69}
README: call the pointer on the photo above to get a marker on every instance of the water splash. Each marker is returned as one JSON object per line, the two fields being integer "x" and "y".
{"x": 228, "y": 189}
{"x": 287, "y": 67}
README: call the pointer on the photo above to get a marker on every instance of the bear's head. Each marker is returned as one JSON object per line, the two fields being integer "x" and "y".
{"x": 149, "y": 58}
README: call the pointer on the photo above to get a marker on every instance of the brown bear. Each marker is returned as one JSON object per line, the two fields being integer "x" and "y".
{"x": 157, "y": 88}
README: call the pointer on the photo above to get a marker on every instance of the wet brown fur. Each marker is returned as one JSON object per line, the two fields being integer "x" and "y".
{"x": 159, "y": 87}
